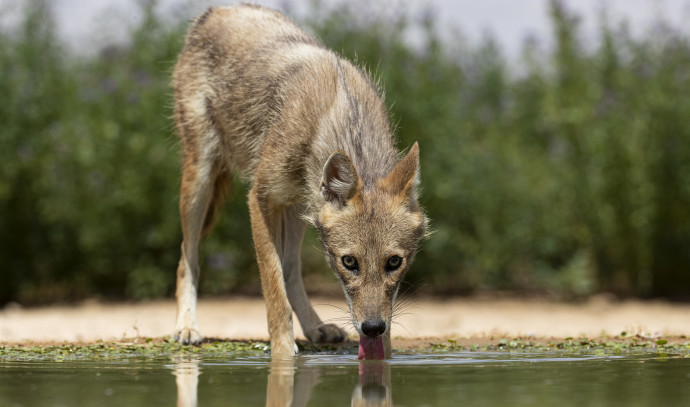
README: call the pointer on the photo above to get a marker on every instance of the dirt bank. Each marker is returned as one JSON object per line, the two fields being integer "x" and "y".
{"x": 244, "y": 318}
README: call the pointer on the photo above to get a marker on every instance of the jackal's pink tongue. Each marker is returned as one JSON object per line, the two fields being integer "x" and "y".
{"x": 370, "y": 348}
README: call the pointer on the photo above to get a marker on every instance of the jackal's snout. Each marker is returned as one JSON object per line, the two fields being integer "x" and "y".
{"x": 371, "y": 305}
{"x": 373, "y": 327}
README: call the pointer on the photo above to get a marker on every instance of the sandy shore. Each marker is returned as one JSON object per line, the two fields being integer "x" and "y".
{"x": 245, "y": 318}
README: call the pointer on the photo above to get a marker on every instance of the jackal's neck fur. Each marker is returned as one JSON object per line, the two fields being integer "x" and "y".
{"x": 356, "y": 124}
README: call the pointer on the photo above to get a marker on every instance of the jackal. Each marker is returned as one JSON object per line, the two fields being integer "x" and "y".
{"x": 256, "y": 95}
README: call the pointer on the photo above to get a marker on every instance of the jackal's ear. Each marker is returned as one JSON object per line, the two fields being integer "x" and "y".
{"x": 339, "y": 181}
{"x": 404, "y": 178}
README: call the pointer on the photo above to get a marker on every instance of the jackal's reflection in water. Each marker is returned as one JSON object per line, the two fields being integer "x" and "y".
{"x": 187, "y": 379}
{"x": 374, "y": 388}
{"x": 289, "y": 385}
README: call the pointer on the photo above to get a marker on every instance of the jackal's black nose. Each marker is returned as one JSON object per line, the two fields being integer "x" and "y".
{"x": 373, "y": 328}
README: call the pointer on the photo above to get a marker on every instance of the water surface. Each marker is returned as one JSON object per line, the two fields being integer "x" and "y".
{"x": 464, "y": 378}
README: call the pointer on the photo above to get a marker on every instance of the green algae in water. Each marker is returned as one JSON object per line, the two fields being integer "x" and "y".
{"x": 573, "y": 346}
{"x": 158, "y": 348}
{"x": 107, "y": 351}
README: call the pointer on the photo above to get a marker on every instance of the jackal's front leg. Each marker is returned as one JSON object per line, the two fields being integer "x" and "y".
{"x": 266, "y": 233}
{"x": 292, "y": 233}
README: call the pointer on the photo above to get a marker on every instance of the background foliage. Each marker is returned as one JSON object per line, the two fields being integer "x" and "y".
{"x": 567, "y": 173}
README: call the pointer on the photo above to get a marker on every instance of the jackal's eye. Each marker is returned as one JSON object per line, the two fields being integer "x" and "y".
{"x": 393, "y": 263}
{"x": 350, "y": 263}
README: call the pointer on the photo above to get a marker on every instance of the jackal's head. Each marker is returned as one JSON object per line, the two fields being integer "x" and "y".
{"x": 370, "y": 235}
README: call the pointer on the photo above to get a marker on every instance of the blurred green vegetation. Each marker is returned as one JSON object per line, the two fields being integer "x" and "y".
{"x": 567, "y": 173}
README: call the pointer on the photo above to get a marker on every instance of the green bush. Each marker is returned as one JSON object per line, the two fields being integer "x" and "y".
{"x": 567, "y": 173}
{"x": 89, "y": 164}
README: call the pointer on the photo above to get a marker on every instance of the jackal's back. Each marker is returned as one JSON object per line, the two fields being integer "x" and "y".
{"x": 233, "y": 76}
{"x": 252, "y": 84}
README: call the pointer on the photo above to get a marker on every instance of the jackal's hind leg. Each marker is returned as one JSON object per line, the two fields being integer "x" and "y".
{"x": 201, "y": 192}
{"x": 314, "y": 329}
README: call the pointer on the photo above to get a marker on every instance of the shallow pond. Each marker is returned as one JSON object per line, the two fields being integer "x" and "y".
{"x": 461, "y": 378}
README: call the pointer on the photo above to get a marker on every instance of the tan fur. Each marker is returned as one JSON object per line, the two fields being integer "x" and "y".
{"x": 256, "y": 95}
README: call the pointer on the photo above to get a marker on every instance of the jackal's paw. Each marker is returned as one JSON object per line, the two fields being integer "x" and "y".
{"x": 187, "y": 336}
{"x": 327, "y": 333}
